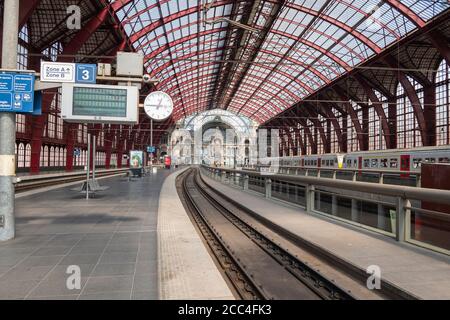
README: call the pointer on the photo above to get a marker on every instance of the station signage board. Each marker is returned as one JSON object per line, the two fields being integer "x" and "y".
{"x": 57, "y": 72}
{"x": 68, "y": 72}
{"x": 85, "y": 103}
{"x": 151, "y": 149}
{"x": 17, "y": 92}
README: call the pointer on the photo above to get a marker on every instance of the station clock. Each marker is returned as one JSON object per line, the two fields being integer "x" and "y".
{"x": 158, "y": 105}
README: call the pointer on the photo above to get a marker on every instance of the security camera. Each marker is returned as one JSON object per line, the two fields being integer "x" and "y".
{"x": 146, "y": 78}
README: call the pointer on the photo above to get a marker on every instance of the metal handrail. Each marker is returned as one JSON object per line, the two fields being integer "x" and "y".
{"x": 375, "y": 171}
{"x": 423, "y": 194}
{"x": 31, "y": 178}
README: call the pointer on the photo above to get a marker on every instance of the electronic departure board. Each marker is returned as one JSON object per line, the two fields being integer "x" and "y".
{"x": 99, "y": 103}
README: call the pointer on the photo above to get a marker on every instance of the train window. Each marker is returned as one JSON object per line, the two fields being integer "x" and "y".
{"x": 374, "y": 163}
{"x": 394, "y": 163}
{"x": 366, "y": 163}
{"x": 323, "y": 162}
{"x": 349, "y": 163}
{"x": 315, "y": 163}
{"x": 444, "y": 160}
{"x": 430, "y": 160}
{"x": 384, "y": 163}
{"x": 355, "y": 163}
{"x": 417, "y": 163}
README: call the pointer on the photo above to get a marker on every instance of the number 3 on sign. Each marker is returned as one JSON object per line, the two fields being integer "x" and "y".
{"x": 86, "y": 73}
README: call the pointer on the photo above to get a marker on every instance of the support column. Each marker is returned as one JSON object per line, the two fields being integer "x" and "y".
{"x": 8, "y": 123}
{"x": 392, "y": 120}
{"x": 429, "y": 112}
{"x": 365, "y": 128}
{"x": 344, "y": 134}
{"x": 70, "y": 145}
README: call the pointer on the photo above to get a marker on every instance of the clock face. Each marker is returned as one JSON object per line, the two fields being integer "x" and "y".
{"x": 158, "y": 105}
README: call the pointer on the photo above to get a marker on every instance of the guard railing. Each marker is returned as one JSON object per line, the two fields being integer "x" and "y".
{"x": 383, "y": 176}
{"x": 416, "y": 215}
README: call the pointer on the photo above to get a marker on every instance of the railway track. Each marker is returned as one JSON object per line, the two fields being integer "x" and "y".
{"x": 43, "y": 182}
{"x": 255, "y": 265}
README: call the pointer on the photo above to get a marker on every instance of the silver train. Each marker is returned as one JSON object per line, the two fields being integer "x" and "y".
{"x": 408, "y": 160}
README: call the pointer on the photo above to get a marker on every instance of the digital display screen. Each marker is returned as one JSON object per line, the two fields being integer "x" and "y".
{"x": 99, "y": 102}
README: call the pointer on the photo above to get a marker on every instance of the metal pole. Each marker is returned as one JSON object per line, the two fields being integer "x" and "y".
{"x": 151, "y": 145}
{"x": 94, "y": 156}
{"x": 88, "y": 165}
{"x": 8, "y": 123}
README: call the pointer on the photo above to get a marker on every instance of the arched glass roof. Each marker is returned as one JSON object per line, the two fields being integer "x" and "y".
{"x": 257, "y": 58}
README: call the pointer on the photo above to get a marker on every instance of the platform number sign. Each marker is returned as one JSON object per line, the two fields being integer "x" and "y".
{"x": 86, "y": 73}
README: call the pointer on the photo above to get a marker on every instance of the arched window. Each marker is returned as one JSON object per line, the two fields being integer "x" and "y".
{"x": 52, "y": 157}
{"x": 443, "y": 104}
{"x": 64, "y": 157}
{"x": 21, "y": 156}
{"x": 56, "y": 157}
{"x": 46, "y": 157}
{"x": 28, "y": 156}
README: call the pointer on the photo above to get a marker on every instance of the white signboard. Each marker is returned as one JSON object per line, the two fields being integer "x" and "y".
{"x": 83, "y": 103}
{"x": 57, "y": 72}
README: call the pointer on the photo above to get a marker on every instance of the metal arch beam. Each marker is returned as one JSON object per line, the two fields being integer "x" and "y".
{"x": 299, "y": 63}
{"x": 86, "y": 32}
{"x": 185, "y": 71}
{"x": 172, "y": 17}
{"x": 303, "y": 122}
{"x": 403, "y": 9}
{"x": 413, "y": 98}
{"x": 174, "y": 43}
{"x": 318, "y": 48}
{"x": 249, "y": 51}
{"x": 353, "y": 115}
{"x": 337, "y": 127}
{"x": 119, "y": 4}
{"x": 159, "y": 69}
{"x": 27, "y": 7}
{"x": 358, "y": 35}
{"x": 173, "y": 63}
{"x": 378, "y": 108}
{"x": 314, "y": 118}
{"x": 440, "y": 42}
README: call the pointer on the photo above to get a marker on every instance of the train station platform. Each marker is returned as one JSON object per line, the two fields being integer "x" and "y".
{"x": 111, "y": 238}
{"x": 412, "y": 271}
{"x": 185, "y": 267}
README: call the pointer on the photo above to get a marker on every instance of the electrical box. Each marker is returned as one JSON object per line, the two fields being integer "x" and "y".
{"x": 104, "y": 69}
{"x": 130, "y": 64}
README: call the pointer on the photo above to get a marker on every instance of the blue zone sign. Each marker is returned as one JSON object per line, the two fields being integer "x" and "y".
{"x": 86, "y": 73}
{"x": 16, "y": 92}
{"x": 151, "y": 149}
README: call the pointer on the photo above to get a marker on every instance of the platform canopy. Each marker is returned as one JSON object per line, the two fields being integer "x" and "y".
{"x": 257, "y": 58}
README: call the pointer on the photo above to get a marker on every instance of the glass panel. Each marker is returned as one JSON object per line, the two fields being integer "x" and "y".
{"x": 430, "y": 227}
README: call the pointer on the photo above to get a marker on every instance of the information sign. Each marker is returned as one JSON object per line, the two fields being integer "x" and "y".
{"x": 16, "y": 92}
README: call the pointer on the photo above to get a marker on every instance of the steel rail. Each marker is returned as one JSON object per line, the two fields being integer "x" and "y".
{"x": 307, "y": 279}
